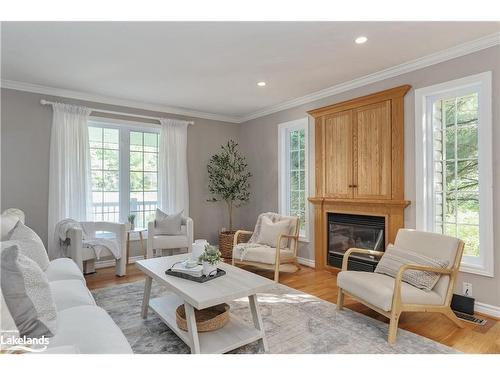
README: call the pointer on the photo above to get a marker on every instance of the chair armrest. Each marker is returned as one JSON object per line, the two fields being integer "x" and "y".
{"x": 151, "y": 228}
{"x": 396, "y": 298}
{"x": 290, "y": 236}
{"x": 75, "y": 236}
{"x": 190, "y": 233}
{"x": 360, "y": 251}
{"x": 237, "y": 234}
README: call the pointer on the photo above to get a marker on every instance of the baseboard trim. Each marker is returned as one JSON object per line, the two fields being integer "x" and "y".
{"x": 490, "y": 310}
{"x": 111, "y": 262}
{"x": 306, "y": 262}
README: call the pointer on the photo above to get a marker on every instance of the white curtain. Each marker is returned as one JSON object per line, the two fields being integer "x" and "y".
{"x": 172, "y": 167}
{"x": 69, "y": 175}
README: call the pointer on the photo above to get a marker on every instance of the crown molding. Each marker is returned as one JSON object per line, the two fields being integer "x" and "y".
{"x": 410, "y": 66}
{"x": 422, "y": 62}
{"x": 80, "y": 95}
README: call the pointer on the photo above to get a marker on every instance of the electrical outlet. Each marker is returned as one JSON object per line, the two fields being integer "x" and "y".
{"x": 467, "y": 289}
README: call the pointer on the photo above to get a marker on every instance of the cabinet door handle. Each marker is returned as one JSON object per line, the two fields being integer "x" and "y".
{"x": 353, "y": 186}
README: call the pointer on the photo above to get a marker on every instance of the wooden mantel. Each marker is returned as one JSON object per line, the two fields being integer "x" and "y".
{"x": 359, "y": 163}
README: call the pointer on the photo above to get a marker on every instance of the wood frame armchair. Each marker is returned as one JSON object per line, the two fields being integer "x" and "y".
{"x": 293, "y": 242}
{"x": 398, "y": 306}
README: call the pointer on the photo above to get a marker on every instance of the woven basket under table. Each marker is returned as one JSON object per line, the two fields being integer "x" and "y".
{"x": 209, "y": 319}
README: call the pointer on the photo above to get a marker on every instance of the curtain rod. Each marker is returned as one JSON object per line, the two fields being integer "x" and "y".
{"x": 47, "y": 102}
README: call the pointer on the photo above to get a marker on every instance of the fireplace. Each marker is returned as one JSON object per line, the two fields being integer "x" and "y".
{"x": 362, "y": 231}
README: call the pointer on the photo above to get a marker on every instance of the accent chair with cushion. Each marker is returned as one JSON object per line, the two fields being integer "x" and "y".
{"x": 169, "y": 232}
{"x": 272, "y": 245}
{"x": 404, "y": 279}
{"x": 85, "y": 256}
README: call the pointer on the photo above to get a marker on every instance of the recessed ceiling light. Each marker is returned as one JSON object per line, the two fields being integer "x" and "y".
{"x": 261, "y": 84}
{"x": 361, "y": 39}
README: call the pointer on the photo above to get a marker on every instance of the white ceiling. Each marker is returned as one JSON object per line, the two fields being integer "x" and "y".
{"x": 213, "y": 67}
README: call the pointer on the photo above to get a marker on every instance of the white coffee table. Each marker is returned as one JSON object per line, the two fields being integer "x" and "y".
{"x": 237, "y": 283}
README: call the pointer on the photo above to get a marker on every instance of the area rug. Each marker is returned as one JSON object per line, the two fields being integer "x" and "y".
{"x": 295, "y": 322}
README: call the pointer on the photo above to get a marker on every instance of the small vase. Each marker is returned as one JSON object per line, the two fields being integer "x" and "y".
{"x": 209, "y": 268}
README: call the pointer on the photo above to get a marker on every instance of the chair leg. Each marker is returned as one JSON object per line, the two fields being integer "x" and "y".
{"x": 450, "y": 315}
{"x": 276, "y": 273}
{"x": 393, "y": 327}
{"x": 340, "y": 300}
{"x": 121, "y": 266}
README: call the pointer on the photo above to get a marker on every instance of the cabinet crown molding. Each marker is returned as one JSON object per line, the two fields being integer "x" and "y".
{"x": 391, "y": 93}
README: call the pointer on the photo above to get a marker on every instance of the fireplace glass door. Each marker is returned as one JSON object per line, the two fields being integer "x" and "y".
{"x": 346, "y": 231}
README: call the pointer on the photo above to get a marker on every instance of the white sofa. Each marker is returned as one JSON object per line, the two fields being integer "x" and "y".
{"x": 82, "y": 326}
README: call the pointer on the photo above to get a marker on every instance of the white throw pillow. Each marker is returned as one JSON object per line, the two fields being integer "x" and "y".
{"x": 29, "y": 244}
{"x": 269, "y": 232}
{"x": 166, "y": 224}
{"x": 8, "y": 328}
{"x": 27, "y": 294}
{"x": 8, "y": 221}
{"x": 394, "y": 258}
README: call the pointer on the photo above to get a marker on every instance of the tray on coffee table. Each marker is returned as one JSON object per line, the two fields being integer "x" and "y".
{"x": 201, "y": 279}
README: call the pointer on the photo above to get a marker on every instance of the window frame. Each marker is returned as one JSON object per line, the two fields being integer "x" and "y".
{"x": 424, "y": 168}
{"x": 284, "y": 130}
{"x": 124, "y": 127}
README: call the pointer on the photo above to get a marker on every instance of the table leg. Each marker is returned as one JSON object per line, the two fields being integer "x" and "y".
{"x": 142, "y": 244}
{"x": 192, "y": 329}
{"x": 145, "y": 299}
{"x": 257, "y": 319}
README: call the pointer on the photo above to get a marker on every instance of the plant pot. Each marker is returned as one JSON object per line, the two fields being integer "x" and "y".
{"x": 209, "y": 268}
{"x": 226, "y": 244}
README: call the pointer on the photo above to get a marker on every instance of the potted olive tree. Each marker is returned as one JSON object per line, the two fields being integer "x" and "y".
{"x": 228, "y": 181}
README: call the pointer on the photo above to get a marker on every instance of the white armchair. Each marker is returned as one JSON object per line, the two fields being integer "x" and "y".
{"x": 163, "y": 242}
{"x": 85, "y": 257}
{"x": 391, "y": 296}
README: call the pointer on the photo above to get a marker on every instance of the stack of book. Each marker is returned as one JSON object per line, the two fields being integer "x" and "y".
{"x": 196, "y": 271}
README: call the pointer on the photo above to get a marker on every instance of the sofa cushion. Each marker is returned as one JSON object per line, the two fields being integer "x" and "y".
{"x": 378, "y": 289}
{"x": 63, "y": 269}
{"x": 262, "y": 254}
{"x": 70, "y": 293}
{"x": 30, "y": 244}
{"x": 27, "y": 294}
{"x": 170, "y": 242}
{"x": 91, "y": 330}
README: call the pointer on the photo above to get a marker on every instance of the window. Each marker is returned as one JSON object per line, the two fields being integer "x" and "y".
{"x": 105, "y": 171}
{"x": 124, "y": 169}
{"x": 143, "y": 176}
{"x": 454, "y": 166}
{"x": 293, "y": 171}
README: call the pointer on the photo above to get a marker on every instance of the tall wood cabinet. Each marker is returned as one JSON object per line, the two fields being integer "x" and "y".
{"x": 359, "y": 163}
{"x": 359, "y": 147}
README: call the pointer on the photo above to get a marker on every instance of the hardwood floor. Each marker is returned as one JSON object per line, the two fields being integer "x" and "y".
{"x": 322, "y": 284}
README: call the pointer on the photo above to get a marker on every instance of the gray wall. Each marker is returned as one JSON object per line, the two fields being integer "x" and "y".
{"x": 25, "y": 138}
{"x": 259, "y": 141}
